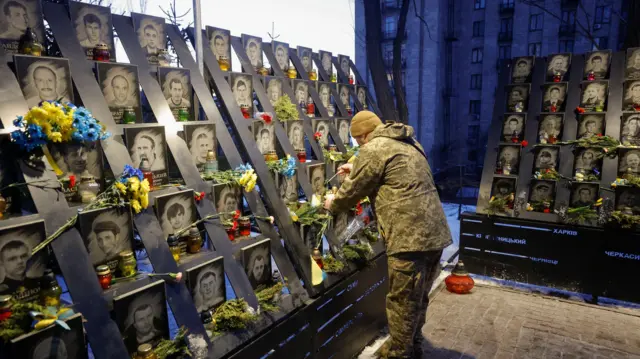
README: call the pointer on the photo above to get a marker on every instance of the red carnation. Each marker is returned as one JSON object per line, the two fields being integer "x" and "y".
{"x": 266, "y": 118}
{"x": 547, "y": 210}
{"x": 235, "y": 225}
{"x": 525, "y": 143}
{"x": 317, "y": 136}
{"x": 579, "y": 109}
{"x": 636, "y": 107}
{"x": 236, "y": 214}
{"x": 358, "y": 209}
{"x": 72, "y": 181}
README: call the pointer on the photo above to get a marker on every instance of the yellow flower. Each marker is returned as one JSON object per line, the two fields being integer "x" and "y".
{"x": 294, "y": 216}
{"x": 246, "y": 176}
{"x": 315, "y": 201}
{"x": 134, "y": 183}
{"x": 251, "y": 184}
{"x": 144, "y": 186}
{"x": 56, "y": 137}
{"x": 136, "y": 206}
{"x": 144, "y": 200}
{"x": 121, "y": 187}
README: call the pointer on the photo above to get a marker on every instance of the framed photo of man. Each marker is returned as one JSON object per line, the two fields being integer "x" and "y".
{"x": 43, "y": 78}
{"x": 206, "y": 283}
{"x": 295, "y": 132}
{"x": 265, "y": 136}
{"x": 256, "y": 260}
{"x": 301, "y": 91}
{"x": 106, "y": 232}
{"x": 518, "y": 98}
{"x": 227, "y": 198}
{"x": 151, "y": 36}
{"x": 274, "y": 89}
{"x": 513, "y": 127}
{"x": 324, "y": 90}
{"x": 345, "y": 65}
{"x": 558, "y": 64}
{"x": 326, "y": 60}
{"x": 361, "y": 93}
{"x": 546, "y": 158}
{"x": 219, "y": 43}
{"x": 630, "y": 129}
{"x": 242, "y": 88}
{"x": 121, "y": 88}
{"x": 588, "y": 160}
{"x": 149, "y": 143}
{"x": 176, "y": 211}
{"x": 79, "y": 160}
{"x": 281, "y": 52}
{"x": 628, "y": 198}
{"x": 502, "y": 187}
{"x": 343, "y": 125}
{"x": 344, "y": 93}
{"x": 53, "y": 342}
{"x": 201, "y": 138}
{"x": 583, "y": 194}
{"x": 93, "y": 27}
{"x": 594, "y": 95}
{"x": 316, "y": 175}
{"x": 631, "y": 96}
{"x": 20, "y": 274}
{"x": 176, "y": 87}
{"x": 305, "y": 53}
{"x": 554, "y": 97}
{"x": 16, "y": 16}
{"x": 628, "y": 162}
{"x": 543, "y": 191}
{"x": 288, "y": 188}
{"x": 597, "y": 62}
{"x": 632, "y": 68}
{"x": 322, "y": 127}
{"x": 141, "y": 315}
{"x": 591, "y": 125}
{"x": 253, "y": 46}
{"x": 522, "y": 69}
{"x": 508, "y": 155}
{"x": 550, "y": 127}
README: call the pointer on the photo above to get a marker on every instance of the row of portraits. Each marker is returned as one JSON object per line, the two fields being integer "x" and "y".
{"x": 265, "y": 136}
{"x": 582, "y": 194}
{"x": 594, "y": 95}
{"x": 596, "y": 63}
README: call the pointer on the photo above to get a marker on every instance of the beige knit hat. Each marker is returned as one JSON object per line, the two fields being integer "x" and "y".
{"x": 364, "y": 122}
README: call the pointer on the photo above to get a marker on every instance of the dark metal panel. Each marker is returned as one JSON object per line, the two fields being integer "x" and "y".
{"x": 342, "y": 77}
{"x": 360, "y": 81}
{"x": 613, "y": 120}
{"x": 323, "y": 75}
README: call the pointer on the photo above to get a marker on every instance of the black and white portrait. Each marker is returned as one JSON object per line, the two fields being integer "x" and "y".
{"x": 253, "y": 46}
{"x": 176, "y": 211}
{"x": 78, "y": 159}
{"x": 629, "y": 162}
{"x": 517, "y": 95}
{"x": 324, "y": 90}
{"x": 200, "y": 139}
{"x": 256, "y": 259}
{"x": 281, "y": 52}
{"x": 632, "y": 68}
{"x": 148, "y": 143}
{"x": 558, "y": 63}
{"x": 326, "y": 61}
{"x": 361, "y": 93}
{"x": 305, "y": 53}
{"x": 219, "y": 43}
{"x": 265, "y": 136}
{"x": 16, "y": 16}
{"x": 301, "y": 91}
{"x": 141, "y": 316}
{"x": 106, "y": 232}
{"x": 316, "y": 176}
{"x": 513, "y": 126}
{"x": 594, "y": 94}
{"x": 554, "y": 97}
{"x": 343, "y": 92}
{"x": 583, "y": 194}
{"x": 628, "y": 197}
{"x": 542, "y": 191}
{"x": 503, "y": 187}
{"x": 242, "y": 88}
{"x": 345, "y": 65}
{"x": 631, "y": 95}
{"x": 54, "y": 342}
{"x": 630, "y": 129}
{"x": 340, "y": 223}
{"x": 590, "y": 125}
{"x": 120, "y": 87}
{"x": 322, "y": 127}
{"x": 176, "y": 87}
{"x": 207, "y": 284}
{"x": 309, "y": 235}
{"x": 547, "y": 158}
{"x": 227, "y": 198}
{"x": 598, "y": 62}
{"x": 509, "y": 155}
{"x": 44, "y": 79}
{"x": 522, "y": 69}
{"x": 295, "y": 132}
{"x": 343, "y": 130}
{"x": 288, "y": 188}
{"x": 93, "y": 27}
{"x": 150, "y": 30}
{"x": 274, "y": 89}
{"x": 587, "y": 159}
{"x": 16, "y": 244}
{"x": 551, "y": 126}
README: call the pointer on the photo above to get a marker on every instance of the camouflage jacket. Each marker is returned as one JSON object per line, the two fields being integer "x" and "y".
{"x": 392, "y": 169}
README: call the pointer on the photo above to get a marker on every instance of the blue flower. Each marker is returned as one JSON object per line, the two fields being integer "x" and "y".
{"x": 596, "y": 172}
{"x": 77, "y": 136}
{"x": 244, "y": 168}
{"x": 131, "y": 172}
{"x": 82, "y": 114}
{"x": 19, "y": 121}
{"x": 105, "y": 135}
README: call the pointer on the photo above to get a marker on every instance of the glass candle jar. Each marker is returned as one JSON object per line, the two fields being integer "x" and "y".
{"x": 5, "y": 307}
{"x": 127, "y": 264}
{"x": 206, "y": 317}
{"x": 351, "y": 81}
{"x": 183, "y": 114}
{"x": 3, "y": 206}
{"x": 333, "y": 148}
{"x": 311, "y": 108}
{"x": 245, "y": 226}
{"x": 331, "y": 110}
{"x": 145, "y": 351}
{"x": 50, "y": 291}
{"x": 231, "y": 232}
{"x": 313, "y": 75}
{"x": 28, "y": 44}
{"x": 245, "y": 111}
{"x": 302, "y": 155}
{"x": 104, "y": 276}
{"x": 591, "y": 75}
{"x": 129, "y": 115}
{"x": 557, "y": 77}
{"x": 317, "y": 257}
{"x": 263, "y": 71}
{"x": 210, "y": 164}
{"x": 88, "y": 189}
{"x": 506, "y": 170}
{"x": 223, "y": 62}
{"x": 334, "y": 78}
{"x": 292, "y": 73}
{"x": 271, "y": 156}
{"x": 174, "y": 247}
{"x": 349, "y": 110}
{"x": 101, "y": 53}
{"x": 518, "y": 107}
{"x": 145, "y": 167}
{"x": 194, "y": 241}
{"x": 164, "y": 59}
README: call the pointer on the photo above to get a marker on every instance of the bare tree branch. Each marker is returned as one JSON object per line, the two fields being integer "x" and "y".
{"x": 401, "y": 103}
{"x": 423, "y": 20}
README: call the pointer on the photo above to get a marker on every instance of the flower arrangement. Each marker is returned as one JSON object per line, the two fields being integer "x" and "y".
{"x": 317, "y": 136}
{"x": 199, "y": 196}
{"x": 232, "y": 315}
{"x": 628, "y": 179}
{"x": 500, "y": 204}
{"x": 264, "y": 116}
{"x": 173, "y": 348}
{"x": 607, "y": 144}
{"x": 583, "y": 214}
{"x": 19, "y": 322}
{"x": 268, "y": 297}
{"x": 625, "y": 220}
{"x": 547, "y": 174}
{"x": 285, "y": 167}
{"x": 243, "y": 175}
{"x": 307, "y": 214}
{"x": 358, "y": 253}
{"x": 539, "y": 206}
{"x": 285, "y": 109}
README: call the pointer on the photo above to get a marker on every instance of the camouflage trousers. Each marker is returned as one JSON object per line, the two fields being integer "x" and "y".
{"x": 411, "y": 276}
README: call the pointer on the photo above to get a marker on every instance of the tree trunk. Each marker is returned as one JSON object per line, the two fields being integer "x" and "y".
{"x": 373, "y": 21}
{"x": 401, "y": 104}
{"x": 633, "y": 25}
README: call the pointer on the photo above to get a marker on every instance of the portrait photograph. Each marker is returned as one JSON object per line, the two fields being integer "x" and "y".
{"x": 281, "y": 52}
{"x": 324, "y": 90}
{"x": 345, "y": 65}
{"x": 361, "y": 93}
{"x": 628, "y": 197}
{"x": 594, "y": 93}
{"x": 322, "y": 127}
{"x": 558, "y": 64}
{"x": 305, "y": 53}
{"x": 630, "y": 129}
{"x": 295, "y": 132}
{"x": 219, "y": 43}
{"x": 54, "y": 342}
{"x": 583, "y": 194}
{"x": 288, "y": 188}
{"x": 629, "y": 162}
{"x": 256, "y": 260}
{"x": 16, "y": 16}
{"x": 503, "y": 187}
{"x": 517, "y": 94}
{"x": 343, "y": 126}
{"x": 207, "y": 284}
{"x": 141, "y": 316}
{"x": 79, "y": 160}
{"x": 120, "y": 87}
{"x": 542, "y": 191}
{"x": 106, "y": 232}
{"x": 587, "y": 159}
{"x": 253, "y": 46}
{"x": 274, "y": 89}
{"x": 265, "y": 136}
{"x": 150, "y": 31}
{"x": 326, "y": 61}
{"x": 93, "y": 26}
{"x": 176, "y": 87}
{"x": 554, "y": 97}
{"x": 632, "y": 68}
{"x": 16, "y": 244}
{"x": 551, "y": 126}
{"x": 598, "y": 62}
{"x": 43, "y": 78}
{"x": 547, "y": 158}
{"x": 301, "y": 91}
{"x": 316, "y": 174}
{"x": 522, "y": 69}
{"x": 309, "y": 235}
{"x": 227, "y": 198}
{"x": 631, "y": 96}
{"x": 149, "y": 143}
{"x": 590, "y": 125}
{"x": 242, "y": 88}
{"x": 509, "y": 155}
{"x": 201, "y": 138}
{"x": 176, "y": 211}
{"x": 344, "y": 93}
{"x": 513, "y": 126}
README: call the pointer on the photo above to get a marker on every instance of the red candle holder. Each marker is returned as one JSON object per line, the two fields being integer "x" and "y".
{"x": 245, "y": 226}
{"x": 311, "y": 108}
{"x": 317, "y": 257}
{"x": 557, "y": 77}
{"x": 104, "y": 276}
{"x": 231, "y": 233}
{"x": 101, "y": 53}
{"x": 351, "y": 81}
{"x": 245, "y": 111}
{"x": 553, "y": 108}
{"x": 459, "y": 281}
{"x": 302, "y": 156}
{"x": 591, "y": 76}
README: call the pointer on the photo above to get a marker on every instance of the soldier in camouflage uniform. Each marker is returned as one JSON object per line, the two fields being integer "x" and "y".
{"x": 391, "y": 168}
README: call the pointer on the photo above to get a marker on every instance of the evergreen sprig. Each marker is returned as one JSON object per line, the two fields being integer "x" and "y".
{"x": 607, "y": 144}
{"x": 358, "y": 253}
{"x": 267, "y": 297}
{"x": 176, "y": 347}
{"x": 625, "y": 220}
{"x": 19, "y": 321}
{"x": 232, "y": 315}
{"x": 285, "y": 109}
{"x": 581, "y": 215}
{"x": 331, "y": 265}
{"x": 498, "y": 205}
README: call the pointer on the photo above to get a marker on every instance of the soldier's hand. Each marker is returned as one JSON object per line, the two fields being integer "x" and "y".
{"x": 328, "y": 201}
{"x": 345, "y": 168}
